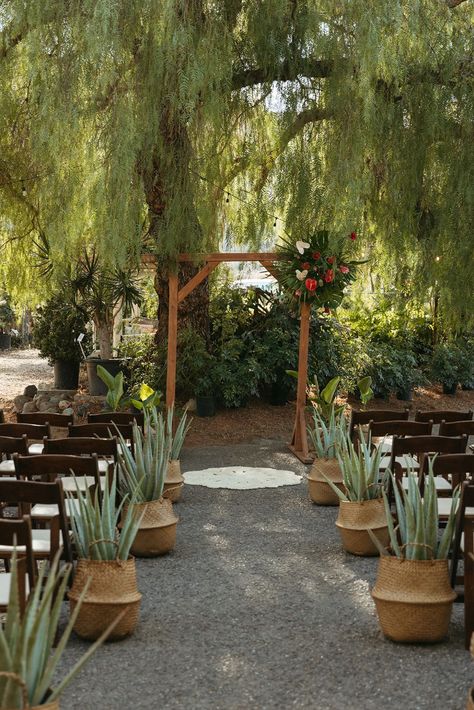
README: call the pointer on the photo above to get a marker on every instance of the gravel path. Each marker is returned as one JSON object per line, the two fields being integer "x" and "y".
{"x": 19, "y": 368}
{"x": 258, "y": 607}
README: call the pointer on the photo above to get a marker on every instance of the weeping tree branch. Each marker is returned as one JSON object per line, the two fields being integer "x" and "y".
{"x": 454, "y": 3}
{"x": 315, "y": 68}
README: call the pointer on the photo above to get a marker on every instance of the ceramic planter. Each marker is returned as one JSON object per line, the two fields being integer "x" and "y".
{"x": 413, "y": 599}
{"x": 353, "y": 521}
{"x": 319, "y": 489}
{"x": 112, "y": 590}
{"x": 174, "y": 481}
{"x": 157, "y": 533}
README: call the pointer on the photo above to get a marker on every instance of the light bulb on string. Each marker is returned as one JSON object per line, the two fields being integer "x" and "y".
{"x": 23, "y": 189}
{"x": 227, "y": 199}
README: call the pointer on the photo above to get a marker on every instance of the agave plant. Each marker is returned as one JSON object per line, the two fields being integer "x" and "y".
{"x": 360, "y": 470}
{"x": 176, "y": 442}
{"x": 29, "y": 649}
{"x": 94, "y": 524}
{"x": 416, "y": 536}
{"x": 142, "y": 474}
{"x": 326, "y": 437}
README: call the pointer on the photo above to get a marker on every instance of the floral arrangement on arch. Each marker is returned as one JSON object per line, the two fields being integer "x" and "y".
{"x": 312, "y": 272}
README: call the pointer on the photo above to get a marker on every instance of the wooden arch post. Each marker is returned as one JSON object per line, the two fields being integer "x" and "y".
{"x": 299, "y": 442}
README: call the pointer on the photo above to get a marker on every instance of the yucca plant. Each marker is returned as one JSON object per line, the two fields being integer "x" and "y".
{"x": 143, "y": 473}
{"x": 327, "y": 436}
{"x": 416, "y": 535}
{"x": 176, "y": 442}
{"x": 360, "y": 470}
{"x": 94, "y": 523}
{"x": 28, "y": 646}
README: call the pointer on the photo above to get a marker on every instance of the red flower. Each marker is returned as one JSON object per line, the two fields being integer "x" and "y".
{"x": 353, "y": 236}
{"x": 297, "y": 293}
{"x": 344, "y": 269}
{"x": 306, "y": 265}
{"x": 329, "y": 276}
{"x": 330, "y": 260}
{"x": 327, "y": 309}
{"x": 316, "y": 255}
{"x": 311, "y": 284}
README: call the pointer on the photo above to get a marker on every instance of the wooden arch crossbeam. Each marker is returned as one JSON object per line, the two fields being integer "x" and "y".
{"x": 299, "y": 442}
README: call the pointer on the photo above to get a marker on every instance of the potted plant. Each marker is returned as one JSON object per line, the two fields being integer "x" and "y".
{"x": 104, "y": 559}
{"x": 174, "y": 480}
{"x": 56, "y": 327}
{"x": 31, "y": 650}
{"x": 361, "y": 506}
{"x": 466, "y": 365}
{"x": 325, "y": 439}
{"x": 446, "y": 366}
{"x": 406, "y": 374}
{"x": 142, "y": 478}
{"x": 205, "y": 392}
{"x": 412, "y": 593}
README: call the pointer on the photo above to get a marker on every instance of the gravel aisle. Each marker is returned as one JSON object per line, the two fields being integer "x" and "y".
{"x": 258, "y": 607}
{"x": 19, "y": 368}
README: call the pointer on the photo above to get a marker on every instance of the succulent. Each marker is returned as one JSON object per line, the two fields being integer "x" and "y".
{"x": 416, "y": 536}
{"x": 176, "y": 442}
{"x": 360, "y": 469}
{"x": 94, "y": 523}
{"x": 29, "y": 649}
{"x": 142, "y": 474}
{"x": 326, "y": 436}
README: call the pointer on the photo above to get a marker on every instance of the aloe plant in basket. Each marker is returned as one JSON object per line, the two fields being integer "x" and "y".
{"x": 361, "y": 506}
{"x": 174, "y": 481}
{"x": 104, "y": 558}
{"x": 142, "y": 479}
{"x": 412, "y": 594}
{"x": 326, "y": 437}
{"x": 30, "y": 652}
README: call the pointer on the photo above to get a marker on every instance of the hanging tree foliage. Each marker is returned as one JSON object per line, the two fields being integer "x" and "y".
{"x": 124, "y": 123}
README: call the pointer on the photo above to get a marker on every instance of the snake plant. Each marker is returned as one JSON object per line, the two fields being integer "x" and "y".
{"x": 416, "y": 535}
{"x": 177, "y": 441}
{"x": 94, "y": 523}
{"x": 325, "y": 436}
{"x": 142, "y": 474}
{"x": 29, "y": 650}
{"x": 360, "y": 469}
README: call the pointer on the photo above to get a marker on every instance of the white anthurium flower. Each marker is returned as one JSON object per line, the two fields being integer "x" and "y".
{"x": 301, "y": 275}
{"x": 301, "y": 246}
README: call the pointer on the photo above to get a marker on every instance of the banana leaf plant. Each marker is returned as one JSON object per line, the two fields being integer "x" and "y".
{"x": 324, "y": 399}
{"x": 115, "y": 389}
{"x": 148, "y": 398}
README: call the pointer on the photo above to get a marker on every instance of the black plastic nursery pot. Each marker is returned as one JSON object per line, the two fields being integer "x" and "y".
{"x": 205, "y": 406}
{"x": 279, "y": 394}
{"x": 98, "y": 388}
{"x": 5, "y": 341}
{"x": 66, "y": 375}
{"x": 449, "y": 388}
{"x": 405, "y": 395}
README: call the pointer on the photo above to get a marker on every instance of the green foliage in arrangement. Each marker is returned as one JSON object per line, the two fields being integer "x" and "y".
{"x": 447, "y": 364}
{"x": 148, "y": 398}
{"x": 115, "y": 390}
{"x": 176, "y": 440}
{"x": 416, "y": 535}
{"x": 29, "y": 647}
{"x": 142, "y": 474}
{"x": 94, "y": 523}
{"x": 360, "y": 467}
{"x": 326, "y": 436}
{"x": 56, "y": 326}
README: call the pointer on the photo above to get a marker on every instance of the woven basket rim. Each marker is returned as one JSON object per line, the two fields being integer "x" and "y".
{"x": 393, "y": 559}
{"x": 115, "y": 562}
{"x": 131, "y": 598}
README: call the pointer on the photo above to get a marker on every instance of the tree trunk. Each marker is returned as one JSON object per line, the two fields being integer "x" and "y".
{"x": 104, "y": 334}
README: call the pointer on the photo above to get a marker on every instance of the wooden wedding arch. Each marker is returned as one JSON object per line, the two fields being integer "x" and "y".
{"x": 299, "y": 441}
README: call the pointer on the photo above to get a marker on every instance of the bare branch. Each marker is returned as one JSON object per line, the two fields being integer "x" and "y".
{"x": 454, "y": 3}
{"x": 315, "y": 68}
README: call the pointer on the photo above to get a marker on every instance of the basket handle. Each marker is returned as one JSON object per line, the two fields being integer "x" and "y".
{"x": 170, "y": 490}
{"x": 103, "y": 539}
{"x": 19, "y": 680}
{"x": 419, "y": 544}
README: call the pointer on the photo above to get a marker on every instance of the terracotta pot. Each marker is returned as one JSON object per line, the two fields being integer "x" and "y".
{"x": 353, "y": 521}
{"x": 319, "y": 489}
{"x": 157, "y": 533}
{"x": 413, "y": 599}
{"x": 112, "y": 590}
{"x": 174, "y": 481}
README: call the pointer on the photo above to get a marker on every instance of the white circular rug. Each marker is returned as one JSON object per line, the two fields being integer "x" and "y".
{"x": 241, "y": 477}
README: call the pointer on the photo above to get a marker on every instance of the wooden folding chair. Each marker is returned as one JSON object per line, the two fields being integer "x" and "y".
{"x": 18, "y": 533}
{"x": 105, "y": 449}
{"x": 457, "y": 428}
{"x": 411, "y": 451}
{"x": 34, "y": 432}
{"x": 117, "y": 418}
{"x": 103, "y": 430}
{"x": 374, "y": 415}
{"x": 49, "y": 467}
{"x": 398, "y": 427}
{"x": 54, "y": 419}
{"x": 10, "y": 445}
{"x": 25, "y": 495}
{"x": 439, "y": 415}
{"x": 2, "y": 416}
{"x": 463, "y": 547}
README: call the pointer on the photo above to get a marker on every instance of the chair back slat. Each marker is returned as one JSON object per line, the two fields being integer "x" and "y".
{"x": 455, "y": 465}
{"x": 400, "y": 428}
{"x": 80, "y": 446}
{"x": 19, "y": 532}
{"x": 50, "y": 466}
{"x": 439, "y": 415}
{"x": 13, "y": 445}
{"x": 33, "y": 431}
{"x": 117, "y": 418}
{"x": 375, "y": 415}
{"x": 457, "y": 428}
{"x": 52, "y": 418}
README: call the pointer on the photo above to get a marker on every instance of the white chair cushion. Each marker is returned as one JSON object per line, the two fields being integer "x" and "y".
{"x": 404, "y": 462}
{"x": 41, "y": 543}
{"x": 45, "y": 512}
{"x": 71, "y": 484}
{"x": 34, "y": 449}
{"x": 441, "y": 483}
{"x": 7, "y": 467}
{"x": 5, "y": 584}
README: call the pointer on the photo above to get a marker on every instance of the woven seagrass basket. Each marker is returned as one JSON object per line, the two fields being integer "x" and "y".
{"x": 157, "y": 533}
{"x": 470, "y": 700}
{"x": 24, "y": 693}
{"x": 112, "y": 590}
{"x": 319, "y": 489}
{"x": 413, "y": 599}
{"x": 174, "y": 481}
{"x": 353, "y": 521}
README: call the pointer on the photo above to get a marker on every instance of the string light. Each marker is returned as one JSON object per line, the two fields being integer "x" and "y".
{"x": 23, "y": 189}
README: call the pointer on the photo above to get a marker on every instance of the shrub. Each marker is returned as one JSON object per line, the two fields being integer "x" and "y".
{"x": 56, "y": 327}
{"x": 447, "y": 364}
